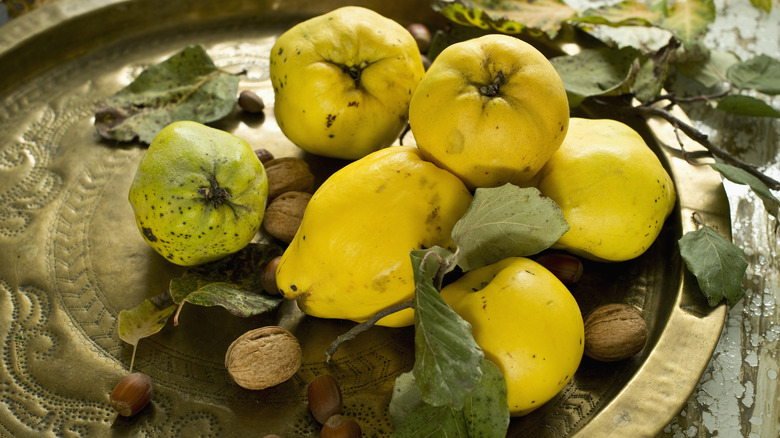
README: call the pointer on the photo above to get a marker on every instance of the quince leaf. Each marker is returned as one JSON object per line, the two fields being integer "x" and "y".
{"x": 625, "y": 13}
{"x": 186, "y": 86}
{"x": 536, "y": 17}
{"x": 485, "y": 412}
{"x": 718, "y": 264}
{"x": 747, "y": 106}
{"x": 761, "y": 73}
{"x": 447, "y": 359}
{"x": 739, "y": 176}
{"x": 506, "y": 221}
{"x": 233, "y": 282}
{"x": 764, "y": 5}
{"x": 597, "y": 72}
{"x": 142, "y": 321}
{"x": 687, "y": 19}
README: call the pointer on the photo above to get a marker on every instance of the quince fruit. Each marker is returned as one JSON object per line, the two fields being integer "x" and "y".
{"x": 350, "y": 256}
{"x": 526, "y": 322}
{"x": 342, "y": 82}
{"x": 198, "y": 194}
{"x": 492, "y": 110}
{"x": 612, "y": 188}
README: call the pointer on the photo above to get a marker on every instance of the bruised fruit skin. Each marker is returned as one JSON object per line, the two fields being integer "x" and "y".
{"x": 198, "y": 194}
{"x": 342, "y": 82}
{"x": 526, "y": 322}
{"x": 612, "y": 189}
{"x": 350, "y": 256}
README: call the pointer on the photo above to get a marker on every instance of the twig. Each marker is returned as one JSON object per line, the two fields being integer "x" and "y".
{"x": 365, "y": 325}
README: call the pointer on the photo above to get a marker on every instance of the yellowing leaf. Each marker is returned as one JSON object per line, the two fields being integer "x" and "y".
{"x": 142, "y": 321}
{"x": 511, "y": 16}
{"x": 687, "y": 19}
{"x": 764, "y": 5}
{"x": 625, "y": 13}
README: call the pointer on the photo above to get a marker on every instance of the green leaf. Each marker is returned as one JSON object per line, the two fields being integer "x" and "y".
{"x": 511, "y": 16}
{"x": 447, "y": 359}
{"x": 747, "y": 106}
{"x": 597, "y": 72}
{"x": 687, "y": 19}
{"x": 761, "y": 73}
{"x": 764, "y": 5}
{"x": 485, "y": 413}
{"x": 506, "y": 221}
{"x": 142, "y": 321}
{"x": 718, "y": 264}
{"x": 740, "y": 176}
{"x": 233, "y": 282}
{"x": 711, "y": 71}
{"x": 653, "y": 72}
{"x": 186, "y": 86}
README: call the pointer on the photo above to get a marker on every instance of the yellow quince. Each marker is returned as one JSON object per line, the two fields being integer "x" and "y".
{"x": 491, "y": 110}
{"x": 342, "y": 82}
{"x": 350, "y": 257}
{"x": 612, "y": 188}
{"x": 526, "y": 322}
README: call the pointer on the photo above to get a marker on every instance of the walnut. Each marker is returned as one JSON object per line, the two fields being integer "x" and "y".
{"x": 288, "y": 174}
{"x": 263, "y": 357}
{"x": 284, "y": 214}
{"x": 614, "y": 332}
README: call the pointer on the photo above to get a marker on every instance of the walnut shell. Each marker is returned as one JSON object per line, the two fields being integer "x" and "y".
{"x": 263, "y": 357}
{"x": 284, "y": 214}
{"x": 614, "y": 332}
{"x": 288, "y": 174}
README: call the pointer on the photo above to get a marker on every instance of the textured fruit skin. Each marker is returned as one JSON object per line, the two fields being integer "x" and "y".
{"x": 167, "y": 194}
{"x": 350, "y": 256}
{"x": 323, "y": 108}
{"x": 489, "y": 141}
{"x": 526, "y": 322}
{"x": 612, "y": 188}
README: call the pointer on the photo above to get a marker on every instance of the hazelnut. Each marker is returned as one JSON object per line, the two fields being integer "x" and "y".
{"x": 614, "y": 332}
{"x": 324, "y": 397}
{"x": 131, "y": 394}
{"x": 421, "y": 34}
{"x": 250, "y": 102}
{"x": 263, "y": 357}
{"x": 288, "y": 174}
{"x": 268, "y": 276}
{"x": 284, "y": 214}
{"x": 264, "y": 155}
{"x": 567, "y": 268}
{"x": 338, "y": 426}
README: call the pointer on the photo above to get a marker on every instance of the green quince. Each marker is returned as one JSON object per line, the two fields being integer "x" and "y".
{"x": 199, "y": 193}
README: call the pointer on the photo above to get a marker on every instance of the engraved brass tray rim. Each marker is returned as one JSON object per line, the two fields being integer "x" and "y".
{"x": 664, "y": 382}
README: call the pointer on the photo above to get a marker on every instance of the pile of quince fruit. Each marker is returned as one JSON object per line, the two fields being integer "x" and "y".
{"x": 487, "y": 112}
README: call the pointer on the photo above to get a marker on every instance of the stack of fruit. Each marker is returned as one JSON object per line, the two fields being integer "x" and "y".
{"x": 488, "y": 112}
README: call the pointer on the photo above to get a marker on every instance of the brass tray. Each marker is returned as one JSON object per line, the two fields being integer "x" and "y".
{"x": 72, "y": 258}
